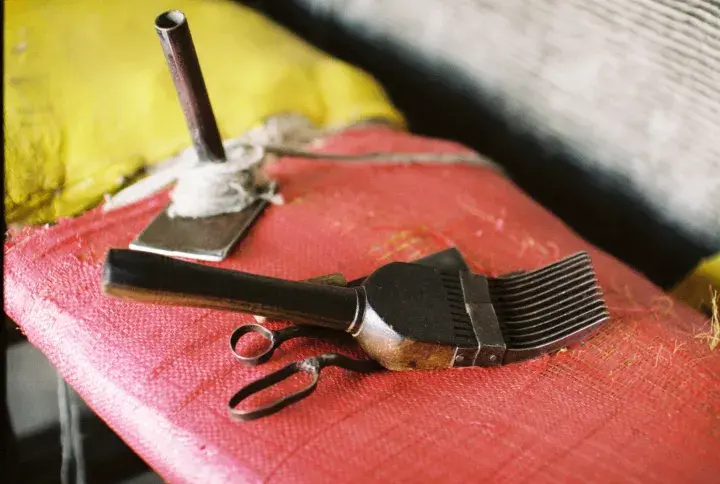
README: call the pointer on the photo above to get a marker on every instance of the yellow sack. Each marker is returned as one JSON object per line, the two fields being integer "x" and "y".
{"x": 89, "y": 100}
{"x": 702, "y": 285}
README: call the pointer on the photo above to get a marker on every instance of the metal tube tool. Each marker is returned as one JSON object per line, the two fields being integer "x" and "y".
{"x": 209, "y": 238}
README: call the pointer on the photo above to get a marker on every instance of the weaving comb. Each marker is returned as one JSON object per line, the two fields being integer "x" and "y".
{"x": 404, "y": 315}
{"x": 208, "y": 238}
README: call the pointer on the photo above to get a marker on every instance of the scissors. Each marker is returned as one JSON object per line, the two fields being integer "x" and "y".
{"x": 312, "y": 366}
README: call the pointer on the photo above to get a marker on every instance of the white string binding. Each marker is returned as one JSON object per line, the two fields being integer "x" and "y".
{"x": 205, "y": 189}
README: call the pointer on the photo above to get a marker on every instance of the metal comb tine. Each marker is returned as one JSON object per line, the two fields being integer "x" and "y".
{"x": 559, "y": 283}
{"x": 513, "y": 317}
{"x": 531, "y": 303}
{"x": 499, "y": 287}
{"x": 539, "y": 317}
{"x": 559, "y": 335}
{"x": 560, "y": 330}
{"x": 550, "y": 328}
{"x": 529, "y": 314}
{"x": 502, "y": 284}
{"x": 514, "y": 278}
{"x": 545, "y": 306}
{"x": 522, "y": 330}
{"x": 548, "y": 268}
{"x": 542, "y": 287}
{"x": 539, "y": 276}
{"x": 522, "y": 353}
{"x": 543, "y": 274}
{"x": 519, "y": 352}
{"x": 513, "y": 327}
{"x": 547, "y": 309}
{"x": 552, "y": 325}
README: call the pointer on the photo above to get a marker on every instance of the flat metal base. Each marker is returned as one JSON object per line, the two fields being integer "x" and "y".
{"x": 207, "y": 239}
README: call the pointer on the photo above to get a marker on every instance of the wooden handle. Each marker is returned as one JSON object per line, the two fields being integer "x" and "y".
{"x": 162, "y": 280}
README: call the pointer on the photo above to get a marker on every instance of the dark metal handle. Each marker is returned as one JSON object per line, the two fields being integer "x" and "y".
{"x": 312, "y": 366}
{"x": 163, "y": 280}
{"x": 273, "y": 339}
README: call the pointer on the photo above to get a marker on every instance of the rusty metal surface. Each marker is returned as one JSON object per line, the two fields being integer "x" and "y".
{"x": 209, "y": 239}
{"x": 174, "y": 32}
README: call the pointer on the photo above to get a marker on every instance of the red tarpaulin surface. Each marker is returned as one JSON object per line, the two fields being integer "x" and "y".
{"x": 638, "y": 402}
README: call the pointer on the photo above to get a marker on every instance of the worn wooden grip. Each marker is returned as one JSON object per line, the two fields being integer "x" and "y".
{"x": 163, "y": 280}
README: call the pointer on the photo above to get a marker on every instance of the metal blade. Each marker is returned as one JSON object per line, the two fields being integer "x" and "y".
{"x": 208, "y": 239}
{"x": 549, "y": 308}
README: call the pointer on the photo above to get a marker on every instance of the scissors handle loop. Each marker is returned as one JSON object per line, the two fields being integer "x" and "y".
{"x": 273, "y": 339}
{"x": 312, "y": 366}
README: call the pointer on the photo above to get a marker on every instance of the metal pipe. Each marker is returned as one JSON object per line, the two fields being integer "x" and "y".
{"x": 174, "y": 32}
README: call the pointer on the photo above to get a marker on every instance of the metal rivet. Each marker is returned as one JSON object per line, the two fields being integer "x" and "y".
{"x": 459, "y": 358}
{"x": 492, "y": 357}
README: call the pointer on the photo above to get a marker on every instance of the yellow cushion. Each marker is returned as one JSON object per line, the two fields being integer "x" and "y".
{"x": 703, "y": 284}
{"x": 89, "y": 100}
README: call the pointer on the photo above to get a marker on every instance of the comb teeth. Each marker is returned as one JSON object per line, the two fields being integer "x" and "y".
{"x": 545, "y": 306}
{"x": 462, "y": 326}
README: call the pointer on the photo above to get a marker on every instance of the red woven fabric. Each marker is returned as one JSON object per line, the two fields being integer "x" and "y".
{"x": 639, "y": 402}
